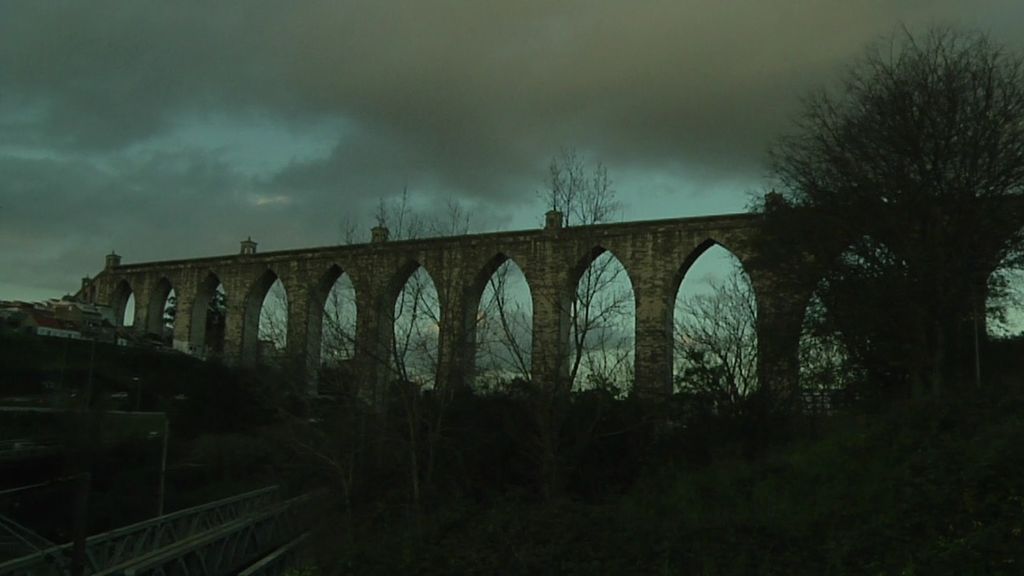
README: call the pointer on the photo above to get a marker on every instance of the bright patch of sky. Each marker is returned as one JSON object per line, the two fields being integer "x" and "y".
{"x": 648, "y": 194}
{"x": 254, "y": 145}
{"x": 15, "y": 291}
{"x": 709, "y": 270}
{"x": 656, "y": 194}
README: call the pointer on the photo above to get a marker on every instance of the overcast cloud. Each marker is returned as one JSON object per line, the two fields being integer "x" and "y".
{"x": 174, "y": 129}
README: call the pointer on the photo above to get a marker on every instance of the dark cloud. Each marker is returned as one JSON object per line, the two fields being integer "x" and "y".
{"x": 461, "y": 99}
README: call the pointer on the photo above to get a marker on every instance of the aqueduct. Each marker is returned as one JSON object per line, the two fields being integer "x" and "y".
{"x": 655, "y": 254}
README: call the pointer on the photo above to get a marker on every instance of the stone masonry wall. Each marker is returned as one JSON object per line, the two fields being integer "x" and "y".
{"x": 655, "y": 254}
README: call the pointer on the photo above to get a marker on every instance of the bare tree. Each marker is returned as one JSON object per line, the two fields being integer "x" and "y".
{"x": 600, "y": 347}
{"x": 600, "y": 343}
{"x": 716, "y": 340}
{"x": 338, "y": 334}
{"x": 715, "y": 347}
{"x": 582, "y": 198}
{"x": 504, "y": 331}
{"x": 349, "y": 230}
{"x": 344, "y": 436}
{"x": 412, "y": 360}
{"x": 273, "y": 321}
{"x": 601, "y": 338}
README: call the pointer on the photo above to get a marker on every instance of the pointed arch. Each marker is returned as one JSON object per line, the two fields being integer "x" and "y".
{"x": 256, "y": 324}
{"x": 498, "y": 326}
{"x": 158, "y": 297}
{"x": 207, "y": 322}
{"x": 484, "y": 274}
{"x": 325, "y": 283}
{"x": 587, "y": 259}
{"x": 122, "y": 303}
{"x": 999, "y": 308}
{"x": 998, "y": 293}
{"x": 601, "y": 322}
{"x": 333, "y": 316}
{"x": 415, "y": 316}
{"x": 400, "y": 278}
{"x": 715, "y": 325}
{"x": 699, "y": 251}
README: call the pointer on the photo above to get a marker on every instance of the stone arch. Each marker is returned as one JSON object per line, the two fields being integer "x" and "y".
{"x": 592, "y": 315}
{"x": 394, "y": 283}
{"x": 584, "y": 260}
{"x": 413, "y": 312}
{"x": 508, "y": 336}
{"x": 716, "y": 340}
{"x": 319, "y": 302}
{"x": 393, "y": 286}
{"x": 479, "y": 282}
{"x": 122, "y": 303}
{"x": 998, "y": 293}
{"x": 699, "y": 250}
{"x": 484, "y": 273}
{"x": 252, "y": 307}
{"x": 999, "y": 301}
{"x": 997, "y": 323}
{"x": 207, "y": 323}
{"x": 156, "y": 306}
{"x": 324, "y": 283}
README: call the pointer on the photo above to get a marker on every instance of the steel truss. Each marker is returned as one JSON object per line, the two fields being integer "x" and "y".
{"x": 278, "y": 561}
{"x": 118, "y": 547}
{"x": 231, "y": 546}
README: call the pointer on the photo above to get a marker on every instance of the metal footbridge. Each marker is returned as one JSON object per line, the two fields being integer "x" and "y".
{"x": 254, "y": 534}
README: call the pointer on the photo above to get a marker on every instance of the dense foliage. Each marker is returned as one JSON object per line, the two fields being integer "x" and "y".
{"x": 925, "y": 486}
{"x": 904, "y": 190}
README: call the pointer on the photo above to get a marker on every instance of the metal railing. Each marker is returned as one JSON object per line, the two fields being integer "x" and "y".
{"x": 15, "y": 537}
{"x": 122, "y": 545}
{"x": 278, "y": 561}
{"x": 229, "y": 547}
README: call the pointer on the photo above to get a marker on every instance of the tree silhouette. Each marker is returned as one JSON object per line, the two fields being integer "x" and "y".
{"x": 716, "y": 341}
{"x": 923, "y": 152}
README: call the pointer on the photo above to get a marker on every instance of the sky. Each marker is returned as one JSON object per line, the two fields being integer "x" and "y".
{"x": 167, "y": 130}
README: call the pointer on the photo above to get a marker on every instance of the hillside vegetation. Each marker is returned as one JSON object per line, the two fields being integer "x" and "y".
{"x": 906, "y": 486}
{"x": 929, "y": 487}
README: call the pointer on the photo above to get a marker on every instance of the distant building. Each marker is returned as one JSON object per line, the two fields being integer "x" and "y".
{"x": 11, "y": 319}
{"x": 58, "y": 319}
{"x": 95, "y": 322}
{"x": 43, "y": 324}
{"x": 81, "y": 312}
{"x": 19, "y": 317}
